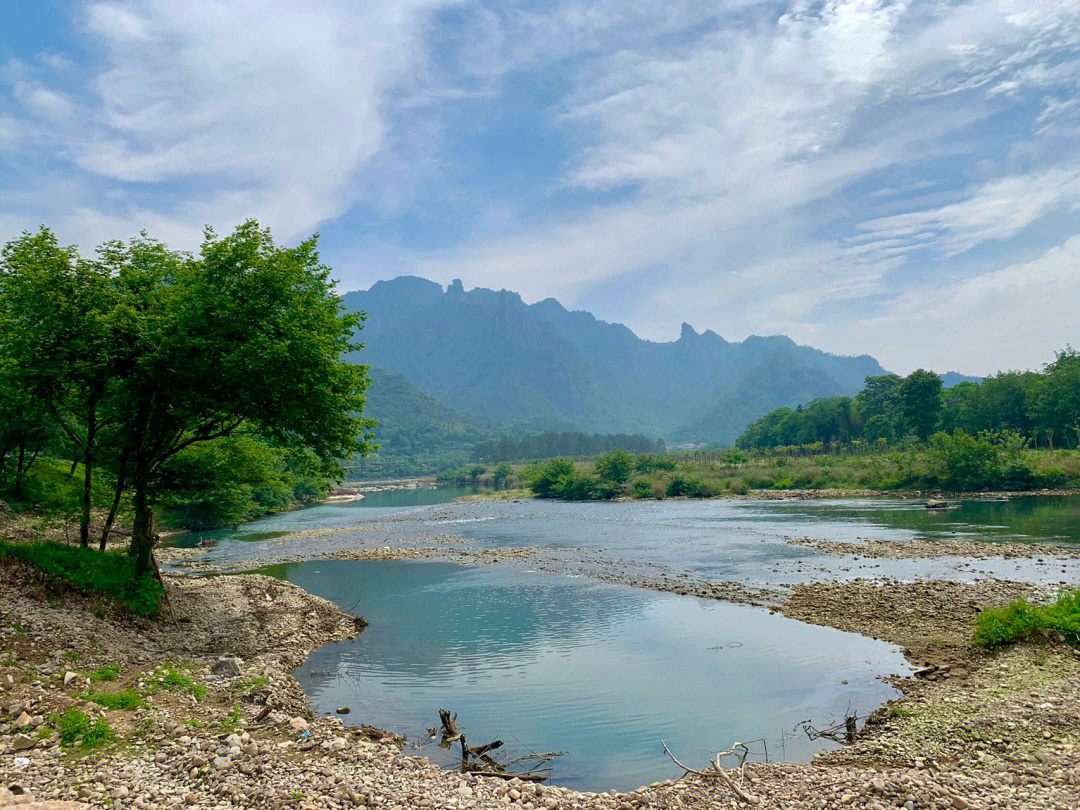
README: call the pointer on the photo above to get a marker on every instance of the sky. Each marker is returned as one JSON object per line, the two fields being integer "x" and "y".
{"x": 894, "y": 178}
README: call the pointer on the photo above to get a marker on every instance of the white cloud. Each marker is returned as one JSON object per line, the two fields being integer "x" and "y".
{"x": 994, "y": 211}
{"x": 1016, "y": 317}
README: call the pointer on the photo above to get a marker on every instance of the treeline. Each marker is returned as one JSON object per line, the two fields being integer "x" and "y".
{"x": 1041, "y": 407}
{"x": 209, "y": 387}
{"x": 569, "y": 444}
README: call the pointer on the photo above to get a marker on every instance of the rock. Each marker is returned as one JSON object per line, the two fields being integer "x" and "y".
{"x": 227, "y": 667}
{"x": 23, "y": 742}
{"x": 69, "y": 677}
{"x": 221, "y": 763}
{"x": 298, "y": 724}
{"x": 48, "y": 806}
{"x": 23, "y": 720}
{"x": 960, "y": 803}
{"x": 8, "y": 680}
{"x": 343, "y": 710}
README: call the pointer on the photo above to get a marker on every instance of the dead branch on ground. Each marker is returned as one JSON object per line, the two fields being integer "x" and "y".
{"x": 717, "y": 771}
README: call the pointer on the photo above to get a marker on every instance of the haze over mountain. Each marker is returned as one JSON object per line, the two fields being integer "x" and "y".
{"x": 491, "y": 356}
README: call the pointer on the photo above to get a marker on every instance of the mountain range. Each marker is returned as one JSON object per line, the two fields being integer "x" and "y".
{"x": 492, "y": 358}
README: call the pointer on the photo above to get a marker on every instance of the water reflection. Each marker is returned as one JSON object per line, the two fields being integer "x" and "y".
{"x": 602, "y": 672}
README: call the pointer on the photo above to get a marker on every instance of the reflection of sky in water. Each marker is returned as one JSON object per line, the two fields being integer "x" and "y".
{"x": 721, "y": 539}
{"x": 600, "y": 671}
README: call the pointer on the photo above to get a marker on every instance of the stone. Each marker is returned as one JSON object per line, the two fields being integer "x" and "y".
{"x": 23, "y": 720}
{"x": 343, "y": 710}
{"x": 298, "y": 724}
{"x": 23, "y": 742}
{"x": 960, "y": 803}
{"x": 69, "y": 677}
{"x": 227, "y": 667}
{"x": 32, "y": 805}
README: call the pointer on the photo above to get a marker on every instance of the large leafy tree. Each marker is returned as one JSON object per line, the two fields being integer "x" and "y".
{"x": 64, "y": 337}
{"x": 920, "y": 402}
{"x": 245, "y": 332}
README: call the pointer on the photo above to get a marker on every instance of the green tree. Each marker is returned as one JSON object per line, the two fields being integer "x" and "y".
{"x": 615, "y": 467}
{"x": 244, "y": 333}
{"x": 503, "y": 470}
{"x": 65, "y": 336}
{"x": 920, "y": 402}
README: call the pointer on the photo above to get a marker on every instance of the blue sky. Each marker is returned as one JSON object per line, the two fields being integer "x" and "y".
{"x": 898, "y": 178}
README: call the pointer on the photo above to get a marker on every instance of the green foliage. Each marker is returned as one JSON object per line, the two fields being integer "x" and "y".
{"x": 681, "y": 486}
{"x": 1020, "y": 620}
{"x": 503, "y": 471}
{"x": 74, "y": 727}
{"x": 127, "y": 699}
{"x": 615, "y": 467}
{"x": 142, "y": 358}
{"x": 642, "y": 488}
{"x": 111, "y": 573}
{"x": 174, "y": 678}
{"x": 105, "y": 674}
{"x": 564, "y": 444}
{"x": 651, "y": 462}
{"x": 560, "y": 479}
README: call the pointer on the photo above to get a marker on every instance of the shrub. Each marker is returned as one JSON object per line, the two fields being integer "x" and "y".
{"x": 560, "y": 479}
{"x": 74, "y": 727}
{"x": 91, "y": 571}
{"x": 1053, "y": 477}
{"x": 680, "y": 486}
{"x": 1020, "y": 620}
{"x": 738, "y": 487}
{"x": 642, "y": 488}
{"x": 615, "y": 466}
{"x": 105, "y": 674}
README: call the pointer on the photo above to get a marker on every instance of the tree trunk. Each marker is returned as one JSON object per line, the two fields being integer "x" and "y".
{"x": 113, "y": 509}
{"x": 88, "y": 477}
{"x": 142, "y": 531}
{"x": 19, "y": 469}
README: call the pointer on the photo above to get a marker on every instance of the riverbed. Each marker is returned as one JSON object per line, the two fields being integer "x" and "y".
{"x": 540, "y": 653}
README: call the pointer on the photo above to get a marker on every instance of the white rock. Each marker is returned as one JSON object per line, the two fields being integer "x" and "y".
{"x": 298, "y": 724}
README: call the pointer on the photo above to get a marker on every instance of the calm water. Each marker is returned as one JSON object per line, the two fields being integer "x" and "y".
{"x": 745, "y": 541}
{"x": 550, "y": 663}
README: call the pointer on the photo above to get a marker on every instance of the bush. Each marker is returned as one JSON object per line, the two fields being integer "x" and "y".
{"x": 74, "y": 727}
{"x": 1020, "y": 620}
{"x": 969, "y": 463}
{"x": 109, "y": 573}
{"x": 615, "y": 466}
{"x": 1053, "y": 477}
{"x": 642, "y": 488}
{"x": 559, "y": 478}
{"x": 680, "y": 486}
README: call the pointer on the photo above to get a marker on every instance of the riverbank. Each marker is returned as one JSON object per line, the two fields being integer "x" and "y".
{"x": 981, "y": 730}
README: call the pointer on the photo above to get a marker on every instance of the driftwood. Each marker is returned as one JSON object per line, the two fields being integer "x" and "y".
{"x": 717, "y": 771}
{"x": 842, "y": 731}
{"x": 478, "y": 760}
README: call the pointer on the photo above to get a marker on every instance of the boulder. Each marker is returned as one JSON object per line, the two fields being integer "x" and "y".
{"x": 23, "y": 742}
{"x": 298, "y": 724}
{"x": 227, "y": 667}
{"x": 69, "y": 677}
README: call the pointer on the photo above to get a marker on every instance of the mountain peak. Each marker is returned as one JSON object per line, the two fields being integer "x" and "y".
{"x": 686, "y": 332}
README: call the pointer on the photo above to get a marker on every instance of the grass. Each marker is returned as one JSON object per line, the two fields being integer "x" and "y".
{"x": 250, "y": 685}
{"x": 75, "y": 728}
{"x": 127, "y": 699}
{"x": 1021, "y": 620}
{"x": 173, "y": 678}
{"x": 105, "y": 674}
{"x": 91, "y": 571}
{"x": 233, "y": 719}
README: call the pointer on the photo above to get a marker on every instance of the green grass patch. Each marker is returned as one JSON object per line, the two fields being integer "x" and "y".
{"x": 76, "y": 728}
{"x": 91, "y": 571}
{"x": 233, "y": 719}
{"x": 105, "y": 674}
{"x": 128, "y": 699}
{"x": 250, "y": 685}
{"x": 173, "y": 678}
{"x": 1020, "y": 620}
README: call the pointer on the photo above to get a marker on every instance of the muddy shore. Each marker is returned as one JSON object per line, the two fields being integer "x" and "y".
{"x": 980, "y": 730}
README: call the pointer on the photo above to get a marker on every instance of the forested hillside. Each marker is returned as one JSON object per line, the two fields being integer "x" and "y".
{"x": 490, "y": 356}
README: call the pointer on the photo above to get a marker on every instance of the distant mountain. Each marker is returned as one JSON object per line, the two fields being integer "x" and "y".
{"x": 490, "y": 356}
{"x": 416, "y": 433}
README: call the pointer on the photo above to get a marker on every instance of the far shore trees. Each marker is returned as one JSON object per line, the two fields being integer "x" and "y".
{"x": 168, "y": 350}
